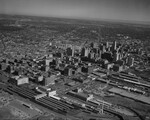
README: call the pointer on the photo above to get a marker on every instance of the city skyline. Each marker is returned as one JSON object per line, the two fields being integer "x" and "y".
{"x": 130, "y": 10}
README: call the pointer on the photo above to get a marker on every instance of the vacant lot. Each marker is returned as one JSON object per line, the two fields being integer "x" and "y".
{"x": 6, "y": 114}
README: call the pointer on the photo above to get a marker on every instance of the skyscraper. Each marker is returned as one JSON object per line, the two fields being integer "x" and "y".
{"x": 69, "y": 51}
{"x": 116, "y": 56}
{"x": 85, "y": 52}
{"x": 103, "y": 48}
{"x": 73, "y": 50}
{"x": 130, "y": 61}
{"x": 114, "y": 45}
{"x": 107, "y": 44}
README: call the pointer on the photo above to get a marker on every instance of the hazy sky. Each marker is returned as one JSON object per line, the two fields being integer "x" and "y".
{"x": 138, "y": 10}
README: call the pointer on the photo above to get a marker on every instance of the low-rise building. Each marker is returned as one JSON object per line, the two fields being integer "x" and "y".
{"x": 81, "y": 95}
{"x": 117, "y": 68}
{"x": 43, "y": 89}
{"x": 52, "y": 93}
{"x": 19, "y": 80}
{"x": 49, "y": 80}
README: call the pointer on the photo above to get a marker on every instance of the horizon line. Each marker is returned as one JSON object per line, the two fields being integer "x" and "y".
{"x": 88, "y": 19}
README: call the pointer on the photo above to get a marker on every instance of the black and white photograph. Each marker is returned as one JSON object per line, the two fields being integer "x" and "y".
{"x": 74, "y": 59}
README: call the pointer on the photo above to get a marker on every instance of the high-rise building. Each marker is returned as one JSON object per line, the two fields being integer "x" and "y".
{"x": 120, "y": 56}
{"x": 130, "y": 61}
{"x": 49, "y": 80}
{"x": 68, "y": 71}
{"x": 114, "y": 45}
{"x": 103, "y": 48}
{"x": 85, "y": 52}
{"x": 69, "y": 51}
{"x": 47, "y": 63}
{"x": 100, "y": 54}
{"x": 107, "y": 44}
{"x": 116, "y": 56}
{"x": 91, "y": 55}
{"x": 73, "y": 51}
{"x": 82, "y": 51}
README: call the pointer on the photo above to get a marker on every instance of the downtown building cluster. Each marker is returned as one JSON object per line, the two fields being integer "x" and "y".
{"x": 69, "y": 60}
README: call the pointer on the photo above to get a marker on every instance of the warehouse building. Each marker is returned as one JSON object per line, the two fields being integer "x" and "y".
{"x": 19, "y": 80}
{"x": 80, "y": 95}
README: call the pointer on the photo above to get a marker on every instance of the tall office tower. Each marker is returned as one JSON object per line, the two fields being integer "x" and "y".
{"x": 103, "y": 48}
{"x": 120, "y": 56}
{"x": 69, "y": 51}
{"x": 100, "y": 54}
{"x": 114, "y": 45}
{"x": 73, "y": 50}
{"x": 130, "y": 61}
{"x": 85, "y": 52}
{"x": 116, "y": 56}
{"x": 82, "y": 51}
{"x": 107, "y": 44}
{"x": 91, "y": 55}
{"x": 109, "y": 49}
{"x": 47, "y": 63}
